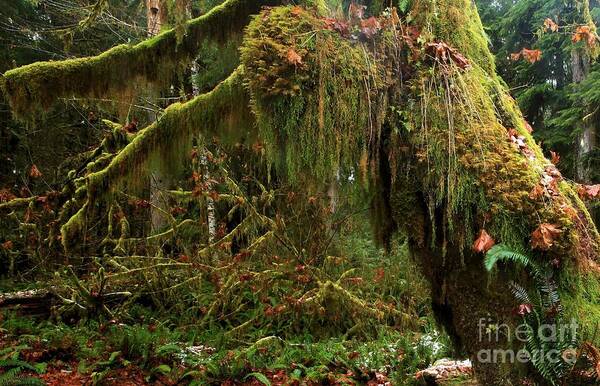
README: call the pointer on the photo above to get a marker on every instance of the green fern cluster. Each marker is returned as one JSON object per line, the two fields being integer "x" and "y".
{"x": 12, "y": 373}
{"x": 547, "y": 308}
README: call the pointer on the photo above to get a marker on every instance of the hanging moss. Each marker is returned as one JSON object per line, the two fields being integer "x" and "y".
{"x": 163, "y": 145}
{"x": 315, "y": 94}
{"x": 121, "y": 70}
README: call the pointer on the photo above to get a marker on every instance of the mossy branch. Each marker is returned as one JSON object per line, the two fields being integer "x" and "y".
{"x": 37, "y": 86}
{"x": 223, "y": 111}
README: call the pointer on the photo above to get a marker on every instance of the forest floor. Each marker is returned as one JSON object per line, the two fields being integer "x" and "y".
{"x": 113, "y": 353}
{"x": 143, "y": 344}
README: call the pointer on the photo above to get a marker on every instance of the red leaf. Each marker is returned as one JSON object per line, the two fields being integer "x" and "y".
{"x": 6, "y": 195}
{"x": 7, "y": 245}
{"x": 483, "y": 243}
{"x": 524, "y": 309}
{"x": 34, "y": 172}
{"x": 544, "y": 236}
{"x": 588, "y": 192}
{"x": 370, "y": 27}
{"x": 293, "y": 57}
{"x": 296, "y": 10}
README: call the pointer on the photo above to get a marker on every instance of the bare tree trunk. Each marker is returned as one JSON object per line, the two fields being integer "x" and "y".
{"x": 156, "y": 15}
{"x": 586, "y": 140}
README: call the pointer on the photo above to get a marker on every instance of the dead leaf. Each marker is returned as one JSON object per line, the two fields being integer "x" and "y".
{"x": 549, "y": 24}
{"x": 588, "y": 192}
{"x": 537, "y": 192}
{"x": 34, "y": 172}
{"x": 7, "y": 245}
{"x": 524, "y": 309}
{"x": 555, "y": 157}
{"x": 293, "y": 57}
{"x": 544, "y": 236}
{"x": 370, "y": 27}
{"x": 483, "y": 243}
{"x": 443, "y": 52}
{"x": 296, "y": 10}
{"x": 6, "y": 195}
{"x": 528, "y": 126}
{"x": 356, "y": 11}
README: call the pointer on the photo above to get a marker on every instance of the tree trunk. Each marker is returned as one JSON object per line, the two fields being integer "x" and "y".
{"x": 155, "y": 18}
{"x": 586, "y": 140}
{"x": 452, "y": 158}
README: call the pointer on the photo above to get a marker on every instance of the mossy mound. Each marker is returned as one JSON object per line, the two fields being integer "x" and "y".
{"x": 316, "y": 94}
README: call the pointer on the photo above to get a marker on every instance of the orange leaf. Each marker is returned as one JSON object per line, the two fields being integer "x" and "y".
{"x": 293, "y": 57}
{"x": 296, "y": 10}
{"x": 483, "y": 243}
{"x": 515, "y": 56}
{"x": 34, "y": 172}
{"x": 586, "y": 34}
{"x": 555, "y": 157}
{"x": 543, "y": 237}
{"x": 549, "y": 24}
{"x": 537, "y": 192}
{"x": 531, "y": 56}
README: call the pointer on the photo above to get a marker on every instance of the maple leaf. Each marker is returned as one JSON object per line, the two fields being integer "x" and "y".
{"x": 586, "y": 34}
{"x": 524, "y": 309}
{"x": 555, "y": 157}
{"x": 588, "y": 192}
{"x": 569, "y": 211}
{"x": 7, "y": 245}
{"x": 443, "y": 52}
{"x": 515, "y": 56}
{"x": 34, "y": 172}
{"x": 6, "y": 195}
{"x": 549, "y": 24}
{"x": 543, "y": 237}
{"x": 370, "y": 27}
{"x": 531, "y": 56}
{"x": 483, "y": 243}
{"x": 293, "y": 57}
{"x": 537, "y": 192}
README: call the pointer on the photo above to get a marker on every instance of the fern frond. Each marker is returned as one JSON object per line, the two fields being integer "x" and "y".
{"x": 502, "y": 252}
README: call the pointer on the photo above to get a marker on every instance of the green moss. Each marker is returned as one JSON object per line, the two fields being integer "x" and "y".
{"x": 121, "y": 70}
{"x": 317, "y": 110}
{"x": 456, "y": 23}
